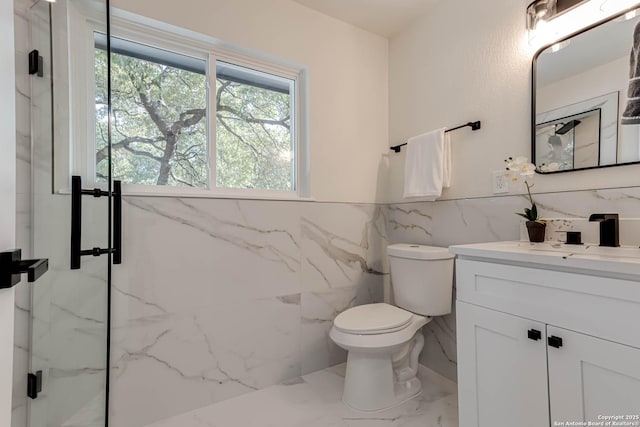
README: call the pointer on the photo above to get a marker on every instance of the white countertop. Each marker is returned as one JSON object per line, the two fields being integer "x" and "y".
{"x": 621, "y": 262}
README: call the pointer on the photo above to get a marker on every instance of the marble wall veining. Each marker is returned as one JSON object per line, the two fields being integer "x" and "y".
{"x": 217, "y": 298}
{"x": 488, "y": 219}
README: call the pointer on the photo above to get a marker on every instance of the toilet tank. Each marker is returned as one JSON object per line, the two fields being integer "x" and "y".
{"x": 421, "y": 278}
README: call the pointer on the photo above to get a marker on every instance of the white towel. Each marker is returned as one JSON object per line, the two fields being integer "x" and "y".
{"x": 428, "y": 165}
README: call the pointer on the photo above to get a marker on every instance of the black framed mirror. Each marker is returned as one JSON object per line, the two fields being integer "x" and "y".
{"x": 580, "y": 94}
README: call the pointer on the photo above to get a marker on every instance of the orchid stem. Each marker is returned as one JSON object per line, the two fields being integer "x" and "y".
{"x": 529, "y": 191}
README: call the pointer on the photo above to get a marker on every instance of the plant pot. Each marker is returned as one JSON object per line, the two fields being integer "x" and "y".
{"x": 536, "y": 231}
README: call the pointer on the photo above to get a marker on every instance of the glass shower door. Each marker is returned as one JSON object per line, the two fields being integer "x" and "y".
{"x": 69, "y": 307}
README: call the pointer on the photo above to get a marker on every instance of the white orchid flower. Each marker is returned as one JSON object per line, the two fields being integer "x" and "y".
{"x": 552, "y": 167}
{"x": 517, "y": 164}
{"x": 521, "y": 160}
{"x": 521, "y": 170}
{"x": 527, "y": 169}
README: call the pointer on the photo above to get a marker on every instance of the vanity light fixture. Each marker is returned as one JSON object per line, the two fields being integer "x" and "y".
{"x": 540, "y": 13}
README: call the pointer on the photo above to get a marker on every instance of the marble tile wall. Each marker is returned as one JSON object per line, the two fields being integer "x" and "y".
{"x": 453, "y": 222}
{"x": 217, "y": 298}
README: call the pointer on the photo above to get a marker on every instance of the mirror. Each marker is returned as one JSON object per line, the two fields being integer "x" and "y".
{"x": 580, "y": 94}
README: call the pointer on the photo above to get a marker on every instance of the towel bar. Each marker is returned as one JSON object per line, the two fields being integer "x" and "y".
{"x": 472, "y": 125}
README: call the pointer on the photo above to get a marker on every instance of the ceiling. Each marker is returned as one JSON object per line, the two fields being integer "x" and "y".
{"x": 383, "y": 17}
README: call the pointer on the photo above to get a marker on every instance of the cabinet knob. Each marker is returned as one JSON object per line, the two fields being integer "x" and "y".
{"x": 534, "y": 334}
{"x": 554, "y": 341}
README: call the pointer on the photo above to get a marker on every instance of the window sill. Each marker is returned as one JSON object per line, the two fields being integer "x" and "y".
{"x": 205, "y": 194}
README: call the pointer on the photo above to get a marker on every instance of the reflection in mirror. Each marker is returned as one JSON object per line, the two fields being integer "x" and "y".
{"x": 570, "y": 142}
{"x": 580, "y": 90}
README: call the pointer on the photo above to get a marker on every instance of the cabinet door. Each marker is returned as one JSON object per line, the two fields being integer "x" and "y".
{"x": 591, "y": 377}
{"x": 502, "y": 373}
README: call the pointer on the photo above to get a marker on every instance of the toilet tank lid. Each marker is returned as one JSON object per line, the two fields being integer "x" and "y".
{"x": 407, "y": 250}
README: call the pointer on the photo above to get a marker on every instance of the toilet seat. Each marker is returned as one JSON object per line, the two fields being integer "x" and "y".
{"x": 373, "y": 319}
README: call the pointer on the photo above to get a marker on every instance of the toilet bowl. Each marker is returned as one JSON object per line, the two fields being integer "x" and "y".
{"x": 382, "y": 362}
{"x": 384, "y": 341}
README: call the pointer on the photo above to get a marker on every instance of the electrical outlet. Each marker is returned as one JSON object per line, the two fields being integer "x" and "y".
{"x": 500, "y": 182}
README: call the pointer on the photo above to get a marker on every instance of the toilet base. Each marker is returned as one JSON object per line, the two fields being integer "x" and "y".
{"x": 371, "y": 384}
{"x": 399, "y": 399}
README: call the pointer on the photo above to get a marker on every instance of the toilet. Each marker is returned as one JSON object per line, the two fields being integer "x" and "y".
{"x": 384, "y": 341}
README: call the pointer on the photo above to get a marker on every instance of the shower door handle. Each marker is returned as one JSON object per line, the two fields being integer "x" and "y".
{"x": 76, "y": 222}
{"x": 117, "y": 222}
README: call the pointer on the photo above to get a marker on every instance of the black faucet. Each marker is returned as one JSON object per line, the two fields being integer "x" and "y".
{"x": 609, "y": 229}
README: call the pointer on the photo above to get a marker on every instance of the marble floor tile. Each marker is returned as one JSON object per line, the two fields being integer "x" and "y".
{"x": 314, "y": 400}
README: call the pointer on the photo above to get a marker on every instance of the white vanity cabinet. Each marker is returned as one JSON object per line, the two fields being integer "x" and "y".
{"x": 542, "y": 345}
{"x": 502, "y": 375}
{"x": 590, "y": 377}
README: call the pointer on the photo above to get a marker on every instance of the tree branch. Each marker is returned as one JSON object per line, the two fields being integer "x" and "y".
{"x": 125, "y": 143}
{"x": 196, "y": 115}
{"x": 232, "y": 132}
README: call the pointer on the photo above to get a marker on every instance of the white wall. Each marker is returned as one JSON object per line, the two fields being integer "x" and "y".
{"x": 348, "y": 79}
{"x": 451, "y": 67}
{"x": 594, "y": 82}
{"x": 7, "y": 202}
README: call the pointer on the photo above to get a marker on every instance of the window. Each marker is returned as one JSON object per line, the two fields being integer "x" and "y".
{"x": 254, "y": 140}
{"x": 159, "y": 106}
{"x": 176, "y": 125}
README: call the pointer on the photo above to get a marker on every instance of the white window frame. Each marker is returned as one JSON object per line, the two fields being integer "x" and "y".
{"x": 146, "y": 31}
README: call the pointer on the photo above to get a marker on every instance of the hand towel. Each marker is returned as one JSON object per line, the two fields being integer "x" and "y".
{"x": 631, "y": 114}
{"x": 428, "y": 165}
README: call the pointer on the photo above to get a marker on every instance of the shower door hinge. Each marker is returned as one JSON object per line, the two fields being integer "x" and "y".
{"x": 35, "y": 63}
{"x": 34, "y": 384}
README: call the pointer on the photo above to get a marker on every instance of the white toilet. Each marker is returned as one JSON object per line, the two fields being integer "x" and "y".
{"x": 385, "y": 341}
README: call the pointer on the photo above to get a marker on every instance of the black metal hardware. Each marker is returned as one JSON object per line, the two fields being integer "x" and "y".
{"x": 534, "y": 334}
{"x": 35, "y": 63}
{"x": 566, "y": 127}
{"x": 12, "y": 266}
{"x": 76, "y": 222}
{"x": 34, "y": 384}
{"x": 554, "y": 341}
{"x": 574, "y": 238}
{"x": 117, "y": 222}
{"x": 609, "y": 229}
{"x": 473, "y": 125}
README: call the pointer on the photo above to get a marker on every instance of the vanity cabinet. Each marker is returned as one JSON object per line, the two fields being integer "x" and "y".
{"x": 502, "y": 374}
{"x": 590, "y": 377}
{"x": 540, "y": 346}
